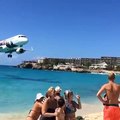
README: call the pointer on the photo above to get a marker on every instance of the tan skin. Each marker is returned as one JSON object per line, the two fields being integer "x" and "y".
{"x": 57, "y": 95}
{"x": 71, "y": 116}
{"x": 36, "y": 110}
{"x": 50, "y": 102}
{"x": 112, "y": 91}
{"x": 60, "y": 113}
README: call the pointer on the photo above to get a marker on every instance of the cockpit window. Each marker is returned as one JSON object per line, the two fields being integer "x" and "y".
{"x": 22, "y": 36}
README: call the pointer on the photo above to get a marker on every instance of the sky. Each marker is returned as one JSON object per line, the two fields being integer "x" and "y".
{"x": 62, "y": 28}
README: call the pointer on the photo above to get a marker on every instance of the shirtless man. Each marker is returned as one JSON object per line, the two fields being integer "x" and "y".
{"x": 111, "y": 105}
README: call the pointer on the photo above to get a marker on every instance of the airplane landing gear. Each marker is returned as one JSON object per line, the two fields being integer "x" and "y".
{"x": 9, "y": 56}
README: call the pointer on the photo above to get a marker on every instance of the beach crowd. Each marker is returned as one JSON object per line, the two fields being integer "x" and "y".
{"x": 54, "y": 106}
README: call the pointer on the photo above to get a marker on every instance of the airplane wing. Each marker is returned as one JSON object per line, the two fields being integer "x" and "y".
{"x": 2, "y": 48}
{"x": 10, "y": 45}
{"x": 6, "y": 49}
{"x": 11, "y": 51}
{"x": 18, "y": 50}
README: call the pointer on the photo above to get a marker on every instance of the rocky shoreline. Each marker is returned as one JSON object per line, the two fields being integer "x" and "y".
{"x": 32, "y": 65}
{"x": 29, "y": 65}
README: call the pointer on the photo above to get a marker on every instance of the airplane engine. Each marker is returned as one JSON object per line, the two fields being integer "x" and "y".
{"x": 20, "y": 50}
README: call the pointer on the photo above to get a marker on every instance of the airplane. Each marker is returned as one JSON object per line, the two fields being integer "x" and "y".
{"x": 13, "y": 44}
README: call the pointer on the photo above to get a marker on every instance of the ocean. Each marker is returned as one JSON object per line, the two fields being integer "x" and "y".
{"x": 18, "y": 87}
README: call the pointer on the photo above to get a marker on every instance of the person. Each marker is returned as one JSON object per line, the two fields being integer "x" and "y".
{"x": 57, "y": 92}
{"x": 49, "y": 105}
{"x": 70, "y": 105}
{"x": 60, "y": 113}
{"x": 111, "y": 99}
{"x": 105, "y": 98}
{"x": 35, "y": 112}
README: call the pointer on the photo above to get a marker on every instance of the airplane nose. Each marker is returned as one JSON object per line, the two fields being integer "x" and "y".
{"x": 25, "y": 40}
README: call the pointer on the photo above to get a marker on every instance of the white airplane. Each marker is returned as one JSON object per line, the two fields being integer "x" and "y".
{"x": 13, "y": 44}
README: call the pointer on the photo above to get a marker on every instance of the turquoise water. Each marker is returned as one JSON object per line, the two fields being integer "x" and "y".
{"x": 18, "y": 87}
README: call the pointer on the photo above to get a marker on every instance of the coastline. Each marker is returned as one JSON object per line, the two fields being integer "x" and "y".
{"x": 30, "y": 65}
{"x": 88, "y": 112}
{"x": 104, "y": 65}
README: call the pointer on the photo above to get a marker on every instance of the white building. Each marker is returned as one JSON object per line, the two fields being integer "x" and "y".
{"x": 61, "y": 66}
{"x": 41, "y": 60}
{"x": 100, "y": 66}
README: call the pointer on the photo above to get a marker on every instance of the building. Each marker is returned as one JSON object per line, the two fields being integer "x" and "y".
{"x": 89, "y": 61}
{"x": 99, "y": 66}
{"x": 83, "y": 62}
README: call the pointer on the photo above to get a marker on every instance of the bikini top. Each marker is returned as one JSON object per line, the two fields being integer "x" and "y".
{"x": 70, "y": 107}
{"x": 38, "y": 112}
{"x": 33, "y": 116}
{"x": 51, "y": 110}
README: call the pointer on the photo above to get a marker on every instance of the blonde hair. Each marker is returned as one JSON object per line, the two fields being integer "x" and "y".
{"x": 49, "y": 91}
{"x": 111, "y": 76}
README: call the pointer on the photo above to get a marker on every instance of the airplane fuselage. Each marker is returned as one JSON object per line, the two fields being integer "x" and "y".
{"x": 17, "y": 40}
{"x": 13, "y": 44}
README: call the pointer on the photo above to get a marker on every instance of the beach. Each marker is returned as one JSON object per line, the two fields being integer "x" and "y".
{"x": 91, "y": 112}
{"x": 23, "y": 84}
{"x": 94, "y": 116}
{"x": 88, "y": 112}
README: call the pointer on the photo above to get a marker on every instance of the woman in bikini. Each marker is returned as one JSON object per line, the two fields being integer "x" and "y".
{"x": 49, "y": 106}
{"x": 70, "y": 105}
{"x": 35, "y": 112}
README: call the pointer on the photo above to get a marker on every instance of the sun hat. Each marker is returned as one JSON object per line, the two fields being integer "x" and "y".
{"x": 67, "y": 91}
{"x": 57, "y": 88}
{"x": 38, "y": 96}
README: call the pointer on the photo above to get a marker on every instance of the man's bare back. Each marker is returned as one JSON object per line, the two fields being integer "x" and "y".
{"x": 112, "y": 91}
